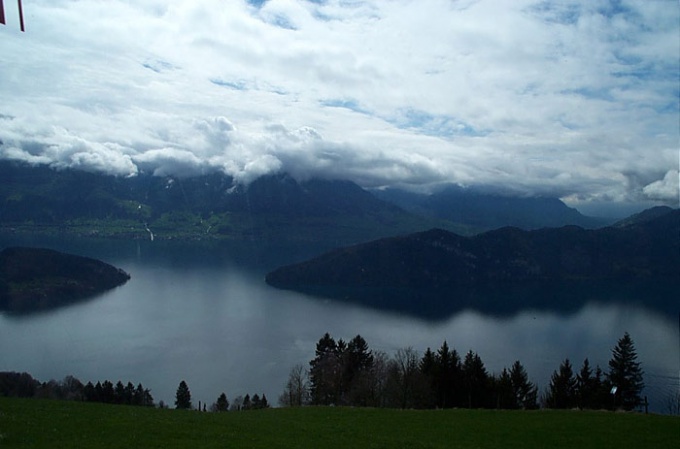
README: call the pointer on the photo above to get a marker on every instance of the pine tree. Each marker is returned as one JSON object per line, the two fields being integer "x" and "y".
{"x": 476, "y": 381}
{"x": 562, "y": 388}
{"x": 321, "y": 371}
{"x": 183, "y": 397}
{"x": 255, "y": 403}
{"x": 505, "y": 396}
{"x": 357, "y": 364}
{"x": 428, "y": 369}
{"x": 222, "y": 404}
{"x": 625, "y": 374}
{"x": 525, "y": 392}
{"x": 447, "y": 375}
{"x": 587, "y": 387}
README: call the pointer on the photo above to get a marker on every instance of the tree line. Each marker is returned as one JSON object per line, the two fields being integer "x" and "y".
{"x": 351, "y": 374}
{"x": 23, "y": 385}
{"x": 240, "y": 403}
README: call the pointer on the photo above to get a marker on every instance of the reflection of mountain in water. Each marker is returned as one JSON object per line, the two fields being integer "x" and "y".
{"x": 508, "y": 298}
{"x": 436, "y": 273}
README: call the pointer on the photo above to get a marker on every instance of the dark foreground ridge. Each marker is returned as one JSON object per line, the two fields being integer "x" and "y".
{"x": 34, "y": 279}
{"x": 439, "y": 269}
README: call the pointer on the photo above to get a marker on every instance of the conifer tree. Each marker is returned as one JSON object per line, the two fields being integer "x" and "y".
{"x": 525, "y": 392}
{"x": 222, "y": 404}
{"x": 325, "y": 371}
{"x": 625, "y": 374}
{"x": 562, "y": 388}
{"x": 475, "y": 380}
{"x": 183, "y": 397}
{"x": 447, "y": 372}
{"x": 505, "y": 396}
{"x": 588, "y": 387}
{"x": 428, "y": 369}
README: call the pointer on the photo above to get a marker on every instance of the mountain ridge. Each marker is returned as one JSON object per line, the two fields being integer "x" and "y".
{"x": 214, "y": 206}
{"x": 443, "y": 262}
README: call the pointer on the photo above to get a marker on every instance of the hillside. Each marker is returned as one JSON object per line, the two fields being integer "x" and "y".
{"x": 39, "y": 199}
{"x": 47, "y": 424}
{"x": 437, "y": 266}
{"x": 273, "y": 207}
{"x": 35, "y": 278}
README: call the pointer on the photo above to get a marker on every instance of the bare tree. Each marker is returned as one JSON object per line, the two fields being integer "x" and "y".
{"x": 405, "y": 381}
{"x": 296, "y": 392}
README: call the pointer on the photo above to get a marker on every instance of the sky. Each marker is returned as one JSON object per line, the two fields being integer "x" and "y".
{"x": 573, "y": 99}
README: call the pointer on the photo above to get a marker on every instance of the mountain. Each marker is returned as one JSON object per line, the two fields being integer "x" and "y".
{"x": 35, "y": 278}
{"x": 200, "y": 207}
{"x": 643, "y": 217}
{"x": 426, "y": 268}
{"x": 486, "y": 211}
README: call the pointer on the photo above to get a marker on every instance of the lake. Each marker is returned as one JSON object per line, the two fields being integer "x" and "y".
{"x": 202, "y": 313}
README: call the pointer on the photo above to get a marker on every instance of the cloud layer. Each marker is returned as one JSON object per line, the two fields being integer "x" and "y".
{"x": 577, "y": 99}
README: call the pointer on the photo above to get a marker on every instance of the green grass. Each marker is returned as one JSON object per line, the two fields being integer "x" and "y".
{"x": 36, "y": 423}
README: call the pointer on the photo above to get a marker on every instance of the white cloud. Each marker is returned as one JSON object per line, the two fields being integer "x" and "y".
{"x": 571, "y": 98}
{"x": 665, "y": 189}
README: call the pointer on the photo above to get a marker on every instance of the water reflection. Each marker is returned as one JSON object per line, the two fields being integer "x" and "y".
{"x": 507, "y": 299}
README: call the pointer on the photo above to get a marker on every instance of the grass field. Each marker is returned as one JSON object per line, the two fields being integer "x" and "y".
{"x": 33, "y": 423}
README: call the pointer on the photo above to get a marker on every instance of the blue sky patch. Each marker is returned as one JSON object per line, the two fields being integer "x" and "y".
{"x": 352, "y": 105}
{"x": 436, "y": 125}
{"x": 557, "y": 13}
{"x": 236, "y": 85}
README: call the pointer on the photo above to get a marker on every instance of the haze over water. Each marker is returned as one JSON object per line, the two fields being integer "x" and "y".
{"x": 203, "y": 313}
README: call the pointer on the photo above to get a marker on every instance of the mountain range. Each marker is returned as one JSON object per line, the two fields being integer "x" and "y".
{"x": 485, "y": 211}
{"x": 41, "y": 199}
{"x": 438, "y": 266}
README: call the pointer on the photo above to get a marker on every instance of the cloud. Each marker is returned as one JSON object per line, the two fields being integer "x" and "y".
{"x": 666, "y": 189}
{"x": 577, "y": 99}
{"x": 60, "y": 149}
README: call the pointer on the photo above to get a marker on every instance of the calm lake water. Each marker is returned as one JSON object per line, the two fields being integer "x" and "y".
{"x": 203, "y": 313}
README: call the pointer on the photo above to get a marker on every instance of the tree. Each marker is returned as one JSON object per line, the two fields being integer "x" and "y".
{"x": 448, "y": 376}
{"x": 236, "y": 404}
{"x": 406, "y": 383}
{"x": 625, "y": 374}
{"x": 378, "y": 379}
{"x": 526, "y": 393}
{"x": 183, "y": 397}
{"x": 428, "y": 368}
{"x": 589, "y": 388}
{"x": 247, "y": 403}
{"x": 296, "y": 392}
{"x": 264, "y": 403}
{"x": 325, "y": 371}
{"x": 562, "y": 388}
{"x": 108, "y": 394}
{"x": 119, "y": 393}
{"x": 475, "y": 381}
{"x": 221, "y": 405}
{"x": 357, "y": 362}
{"x": 505, "y": 395}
